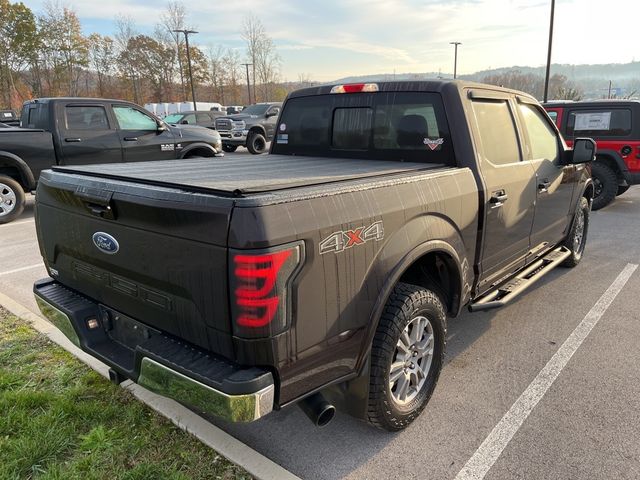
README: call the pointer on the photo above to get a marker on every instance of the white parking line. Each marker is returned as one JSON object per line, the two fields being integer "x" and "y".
{"x": 13, "y": 224}
{"x": 21, "y": 269}
{"x": 491, "y": 449}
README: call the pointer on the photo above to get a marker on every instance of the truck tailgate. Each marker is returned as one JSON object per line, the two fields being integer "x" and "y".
{"x": 164, "y": 260}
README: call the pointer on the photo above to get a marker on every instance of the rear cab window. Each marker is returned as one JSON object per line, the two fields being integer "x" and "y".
{"x": 402, "y": 126}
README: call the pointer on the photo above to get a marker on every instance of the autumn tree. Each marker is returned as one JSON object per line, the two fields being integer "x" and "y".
{"x": 102, "y": 59}
{"x": 65, "y": 52}
{"x": 18, "y": 47}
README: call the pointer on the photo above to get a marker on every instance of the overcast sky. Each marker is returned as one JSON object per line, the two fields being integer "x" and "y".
{"x": 329, "y": 39}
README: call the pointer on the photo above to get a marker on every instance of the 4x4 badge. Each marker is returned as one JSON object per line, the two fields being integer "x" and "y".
{"x": 105, "y": 243}
{"x": 339, "y": 241}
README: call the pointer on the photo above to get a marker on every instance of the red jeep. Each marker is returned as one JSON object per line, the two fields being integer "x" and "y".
{"x": 615, "y": 126}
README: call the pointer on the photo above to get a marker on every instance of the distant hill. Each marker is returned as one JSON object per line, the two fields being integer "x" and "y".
{"x": 593, "y": 80}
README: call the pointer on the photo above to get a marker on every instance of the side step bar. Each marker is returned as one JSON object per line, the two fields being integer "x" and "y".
{"x": 522, "y": 280}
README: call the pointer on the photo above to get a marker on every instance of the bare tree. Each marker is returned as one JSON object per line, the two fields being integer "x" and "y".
{"x": 173, "y": 19}
{"x": 218, "y": 74}
{"x": 102, "y": 59}
{"x": 125, "y": 31}
{"x": 261, "y": 51}
{"x": 231, "y": 62}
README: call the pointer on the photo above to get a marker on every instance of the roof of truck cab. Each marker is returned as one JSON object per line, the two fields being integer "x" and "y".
{"x": 435, "y": 85}
{"x": 77, "y": 99}
{"x": 246, "y": 174}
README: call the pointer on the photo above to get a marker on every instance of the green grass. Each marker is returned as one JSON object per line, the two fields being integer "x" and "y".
{"x": 61, "y": 420}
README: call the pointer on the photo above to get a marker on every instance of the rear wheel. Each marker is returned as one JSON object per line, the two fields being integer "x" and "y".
{"x": 406, "y": 356}
{"x": 256, "y": 143}
{"x": 622, "y": 189}
{"x": 229, "y": 148}
{"x": 577, "y": 237}
{"x": 605, "y": 182}
{"x": 12, "y": 199}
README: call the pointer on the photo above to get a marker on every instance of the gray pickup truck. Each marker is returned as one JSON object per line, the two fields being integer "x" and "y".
{"x": 323, "y": 273}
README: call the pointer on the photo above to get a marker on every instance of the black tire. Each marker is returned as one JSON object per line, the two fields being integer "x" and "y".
{"x": 577, "y": 238}
{"x": 622, "y": 189}
{"x": 12, "y": 199}
{"x": 229, "y": 148}
{"x": 606, "y": 185}
{"x": 256, "y": 143}
{"x": 406, "y": 305}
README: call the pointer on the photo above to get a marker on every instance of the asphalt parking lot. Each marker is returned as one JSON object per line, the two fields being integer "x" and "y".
{"x": 585, "y": 424}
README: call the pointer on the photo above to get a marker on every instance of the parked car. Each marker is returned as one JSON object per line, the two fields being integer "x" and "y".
{"x": 323, "y": 273}
{"x": 253, "y": 128}
{"x": 10, "y": 117}
{"x": 615, "y": 126}
{"x": 74, "y": 131}
{"x": 202, "y": 119}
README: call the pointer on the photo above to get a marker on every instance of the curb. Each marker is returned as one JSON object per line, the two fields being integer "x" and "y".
{"x": 226, "y": 445}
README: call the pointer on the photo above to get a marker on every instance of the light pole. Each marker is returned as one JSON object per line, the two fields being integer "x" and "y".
{"x": 247, "y": 65}
{"x": 455, "y": 58}
{"x": 546, "y": 76}
{"x": 193, "y": 90}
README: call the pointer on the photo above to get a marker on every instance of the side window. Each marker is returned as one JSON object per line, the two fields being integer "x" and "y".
{"x": 190, "y": 119}
{"x": 204, "y": 118}
{"x": 131, "y": 119}
{"x": 599, "y": 123}
{"x": 497, "y": 132}
{"x": 78, "y": 117}
{"x": 553, "y": 115}
{"x": 543, "y": 142}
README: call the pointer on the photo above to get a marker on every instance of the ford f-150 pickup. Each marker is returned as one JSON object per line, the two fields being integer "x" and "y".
{"x": 76, "y": 131}
{"x": 323, "y": 273}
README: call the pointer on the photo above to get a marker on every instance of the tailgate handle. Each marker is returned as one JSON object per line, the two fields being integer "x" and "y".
{"x": 97, "y": 201}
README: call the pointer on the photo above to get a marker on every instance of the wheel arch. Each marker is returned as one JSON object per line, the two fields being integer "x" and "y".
{"x": 205, "y": 149}
{"x": 23, "y": 175}
{"x": 259, "y": 129}
{"x": 613, "y": 160}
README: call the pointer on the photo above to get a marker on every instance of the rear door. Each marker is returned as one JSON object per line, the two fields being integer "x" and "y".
{"x": 87, "y": 135}
{"x": 140, "y": 137}
{"x": 510, "y": 188}
{"x": 554, "y": 181}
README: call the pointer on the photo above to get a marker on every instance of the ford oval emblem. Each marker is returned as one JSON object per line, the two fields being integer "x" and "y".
{"x": 106, "y": 243}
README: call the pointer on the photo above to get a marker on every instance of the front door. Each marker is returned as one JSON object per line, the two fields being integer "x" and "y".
{"x": 141, "y": 139}
{"x": 87, "y": 135}
{"x": 510, "y": 189}
{"x": 554, "y": 181}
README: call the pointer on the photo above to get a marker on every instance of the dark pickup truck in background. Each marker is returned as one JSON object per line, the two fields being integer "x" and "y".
{"x": 77, "y": 131}
{"x": 253, "y": 128}
{"x": 323, "y": 273}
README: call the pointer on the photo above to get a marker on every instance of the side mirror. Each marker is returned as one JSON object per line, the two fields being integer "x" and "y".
{"x": 273, "y": 113}
{"x": 162, "y": 127}
{"x": 184, "y": 122}
{"x": 584, "y": 150}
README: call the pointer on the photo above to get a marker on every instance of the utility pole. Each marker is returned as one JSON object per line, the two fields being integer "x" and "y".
{"x": 548, "y": 72}
{"x": 455, "y": 58}
{"x": 247, "y": 65}
{"x": 193, "y": 90}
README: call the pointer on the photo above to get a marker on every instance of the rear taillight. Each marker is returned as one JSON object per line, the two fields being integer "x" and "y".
{"x": 260, "y": 285}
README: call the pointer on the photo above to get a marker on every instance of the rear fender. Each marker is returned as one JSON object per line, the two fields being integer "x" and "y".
{"x": 400, "y": 252}
{"x": 11, "y": 160}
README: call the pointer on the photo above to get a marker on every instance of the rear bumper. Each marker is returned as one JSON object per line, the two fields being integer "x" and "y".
{"x": 167, "y": 366}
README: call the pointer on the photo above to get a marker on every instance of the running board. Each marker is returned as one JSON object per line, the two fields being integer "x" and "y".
{"x": 522, "y": 280}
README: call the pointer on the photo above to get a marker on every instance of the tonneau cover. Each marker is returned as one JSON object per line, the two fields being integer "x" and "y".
{"x": 240, "y": 174}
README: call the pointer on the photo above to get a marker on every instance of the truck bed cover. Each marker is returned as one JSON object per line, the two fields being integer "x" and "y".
{"x": 246, "y": 174}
